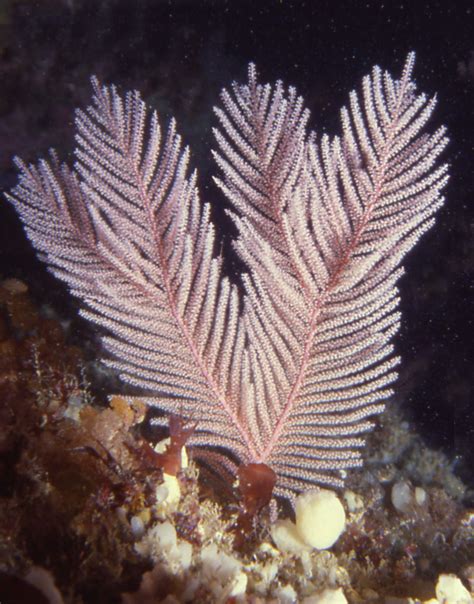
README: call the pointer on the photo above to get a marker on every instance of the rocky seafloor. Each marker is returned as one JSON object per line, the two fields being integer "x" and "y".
{"x": 89, "y": 514}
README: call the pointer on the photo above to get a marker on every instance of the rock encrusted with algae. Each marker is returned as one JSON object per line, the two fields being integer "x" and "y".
{"x": 82, "y": 489}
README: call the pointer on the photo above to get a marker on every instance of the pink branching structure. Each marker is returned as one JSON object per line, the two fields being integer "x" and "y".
{"x": 324, "y": 224}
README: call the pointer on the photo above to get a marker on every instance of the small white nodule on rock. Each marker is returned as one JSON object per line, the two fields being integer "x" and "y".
{"x": 328, "y": 596}
{"x": 405, "y": 498}
{"x": 168, "y": 493}
{"x": 421, "y": 496}
{"x": 223, "y": 574}
{"x": 137, "y": 526}
{"x": 354, "y": 502}
{"x": 162, "y": 541}
{"x": 320, "y": 518}
{"x": 287, "y": 539}
{"x": 450, "y": 590}
{"x": 402, "y": 496}
{"x": 285, "y": 594}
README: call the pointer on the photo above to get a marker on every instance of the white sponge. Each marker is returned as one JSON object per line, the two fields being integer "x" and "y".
{"x": 320, "y": 518}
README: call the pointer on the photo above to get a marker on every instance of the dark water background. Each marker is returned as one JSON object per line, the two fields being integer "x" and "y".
{"x": 180, "y": 53}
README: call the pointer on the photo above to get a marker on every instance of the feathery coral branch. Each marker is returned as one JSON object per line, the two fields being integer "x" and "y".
{"x": 323, "y": 227}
